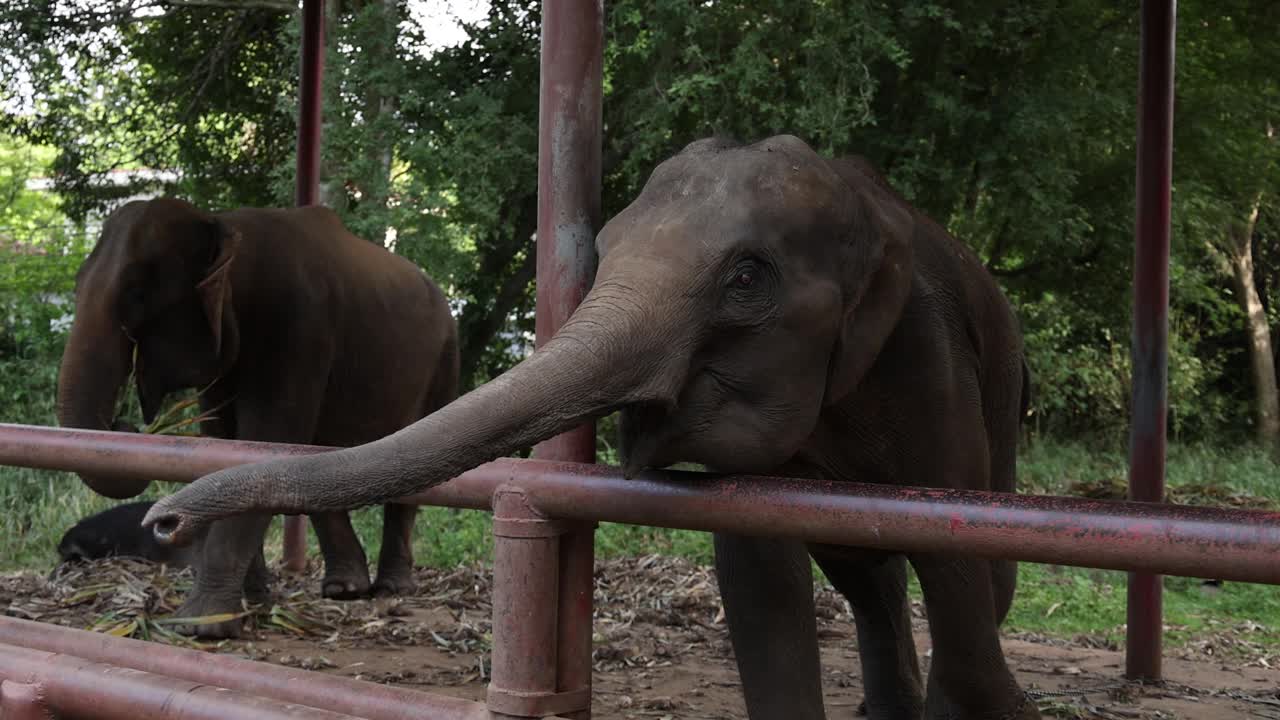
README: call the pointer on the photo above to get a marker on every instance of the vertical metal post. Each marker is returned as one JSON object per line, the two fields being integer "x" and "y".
{"x": 307, "y": 192}
{"x": 1151, "y": 316}
{"x": 569, "y": 143}
{"x": 310, "y": 93}
{"x": 570, "y": 104}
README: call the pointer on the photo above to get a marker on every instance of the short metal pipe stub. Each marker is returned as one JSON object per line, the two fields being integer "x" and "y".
{"x": 23, "y": 701}
{"x": 536, "y": 704}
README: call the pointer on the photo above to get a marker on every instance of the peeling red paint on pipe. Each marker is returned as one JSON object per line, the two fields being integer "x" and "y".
{"x": 1230, "y": 544}
{"x": 570, "y": 96}
{"x": 79, "y": 689}
{"x": 1151, "y": 317}
{"x": 282, "y": 684}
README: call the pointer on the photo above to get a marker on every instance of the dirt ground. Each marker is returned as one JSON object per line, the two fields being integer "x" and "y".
{"x": 661, "y": 649}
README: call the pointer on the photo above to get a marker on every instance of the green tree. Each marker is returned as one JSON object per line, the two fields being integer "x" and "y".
{"x": 1227, "y": 165}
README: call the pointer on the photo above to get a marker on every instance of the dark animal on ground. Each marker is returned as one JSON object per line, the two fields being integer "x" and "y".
{"x": 118, "y": 532}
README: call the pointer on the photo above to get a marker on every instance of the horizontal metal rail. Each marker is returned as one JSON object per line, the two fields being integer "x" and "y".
{"x": 339, "y": 696}
{"x": 78, "y": 689}
{"x": 1227, "y": 544}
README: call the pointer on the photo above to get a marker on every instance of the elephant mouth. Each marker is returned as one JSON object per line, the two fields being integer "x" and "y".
{"x": 647, "y": 432}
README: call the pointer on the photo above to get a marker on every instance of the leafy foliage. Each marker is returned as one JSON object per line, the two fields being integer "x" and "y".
{"x": 1014, "y": 126}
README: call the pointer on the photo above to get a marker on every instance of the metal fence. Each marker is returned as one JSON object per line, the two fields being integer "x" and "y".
{"x": 545, "y": 508}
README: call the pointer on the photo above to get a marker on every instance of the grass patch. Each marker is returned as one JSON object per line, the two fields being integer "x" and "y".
{"x": 36, "y": 507}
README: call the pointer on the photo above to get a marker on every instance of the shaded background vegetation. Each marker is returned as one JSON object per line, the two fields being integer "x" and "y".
{"x": 1011, "y": 124}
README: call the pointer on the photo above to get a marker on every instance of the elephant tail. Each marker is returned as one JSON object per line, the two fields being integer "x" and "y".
{"x": 1027, "y": 396}
{"x": 444, "y": 386}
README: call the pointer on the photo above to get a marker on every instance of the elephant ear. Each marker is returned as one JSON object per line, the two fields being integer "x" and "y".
{"x": 877, "y": 275}
{"x": 215, "y": 289}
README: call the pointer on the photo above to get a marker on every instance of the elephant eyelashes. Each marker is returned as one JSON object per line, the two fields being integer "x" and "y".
{"x": 748, "y": 293}
{"x": 749, "y": 279}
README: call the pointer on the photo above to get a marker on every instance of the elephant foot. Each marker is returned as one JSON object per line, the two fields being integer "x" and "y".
{"x": 345, "y": 584}
{"x": 394, "y": 582}
{"x": 201, "y": 606}
{"x": 257, "y": 594}
{"x": 257, "y": 585}
{"x": 1028, "y": 711}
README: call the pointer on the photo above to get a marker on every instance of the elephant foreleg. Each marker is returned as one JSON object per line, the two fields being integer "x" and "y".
{"x": 257, "y": 580}
{"x": 767, "y": 589}
{"x": 227, "y": 552}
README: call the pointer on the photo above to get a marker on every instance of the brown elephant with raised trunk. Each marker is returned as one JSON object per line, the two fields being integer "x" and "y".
{"x": 758, "y": 309}
{"x": 296, "y": 330}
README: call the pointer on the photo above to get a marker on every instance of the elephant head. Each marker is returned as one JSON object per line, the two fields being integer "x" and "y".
{"x": 744, "y": 289}
{"x": 153, "y": 298}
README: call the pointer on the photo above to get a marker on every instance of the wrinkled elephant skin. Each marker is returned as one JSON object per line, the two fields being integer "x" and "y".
{"x": 293, "y": 329}
{"x": 757, "y": 309}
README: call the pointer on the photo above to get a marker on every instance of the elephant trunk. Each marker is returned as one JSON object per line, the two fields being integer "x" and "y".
{"x": 95, "y": 367}
{"x": 588, "y": 369}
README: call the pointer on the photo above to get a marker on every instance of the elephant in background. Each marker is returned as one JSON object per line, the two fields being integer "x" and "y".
{"x": 758, "y": 309}
{"x": 296, "y": 330}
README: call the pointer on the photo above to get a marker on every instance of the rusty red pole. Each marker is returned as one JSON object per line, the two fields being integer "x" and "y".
{"x": 77, "y": 689}
{"x": 569, "y": 141}
{"x": 526, "y": 557}
{"x": 1151, "y": 317}
{"x": 307, "y": 192}
{"x": 331, "y": 693}
{"x": 310, "y": 94}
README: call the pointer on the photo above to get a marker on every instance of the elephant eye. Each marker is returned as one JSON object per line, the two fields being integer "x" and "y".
{"x": 746, "y": 274}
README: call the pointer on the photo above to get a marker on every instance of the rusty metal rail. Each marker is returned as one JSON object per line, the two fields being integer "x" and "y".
{"x": 78, "y": 689}
{"x": 1242, "y": 545}
{"x": 338, "y": 696}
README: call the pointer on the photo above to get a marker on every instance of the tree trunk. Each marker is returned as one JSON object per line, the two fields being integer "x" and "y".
{"x": 1261, "y": 358}
{"x": 480, "y": 323}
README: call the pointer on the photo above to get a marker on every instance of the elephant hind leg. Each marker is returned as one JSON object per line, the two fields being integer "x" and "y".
{"x": 767, "y": 589}
{"x": 875, "y": 585}
{"x": 395, "y": 559}
{"x": 968, "y": 678}
{"x": 346, "y": 569}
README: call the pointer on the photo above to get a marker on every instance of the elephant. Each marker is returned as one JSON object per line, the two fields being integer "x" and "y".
{"x": 118, "y": 531}
{"x": 295, "y": 330}
{"x": 757, "y": 309}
